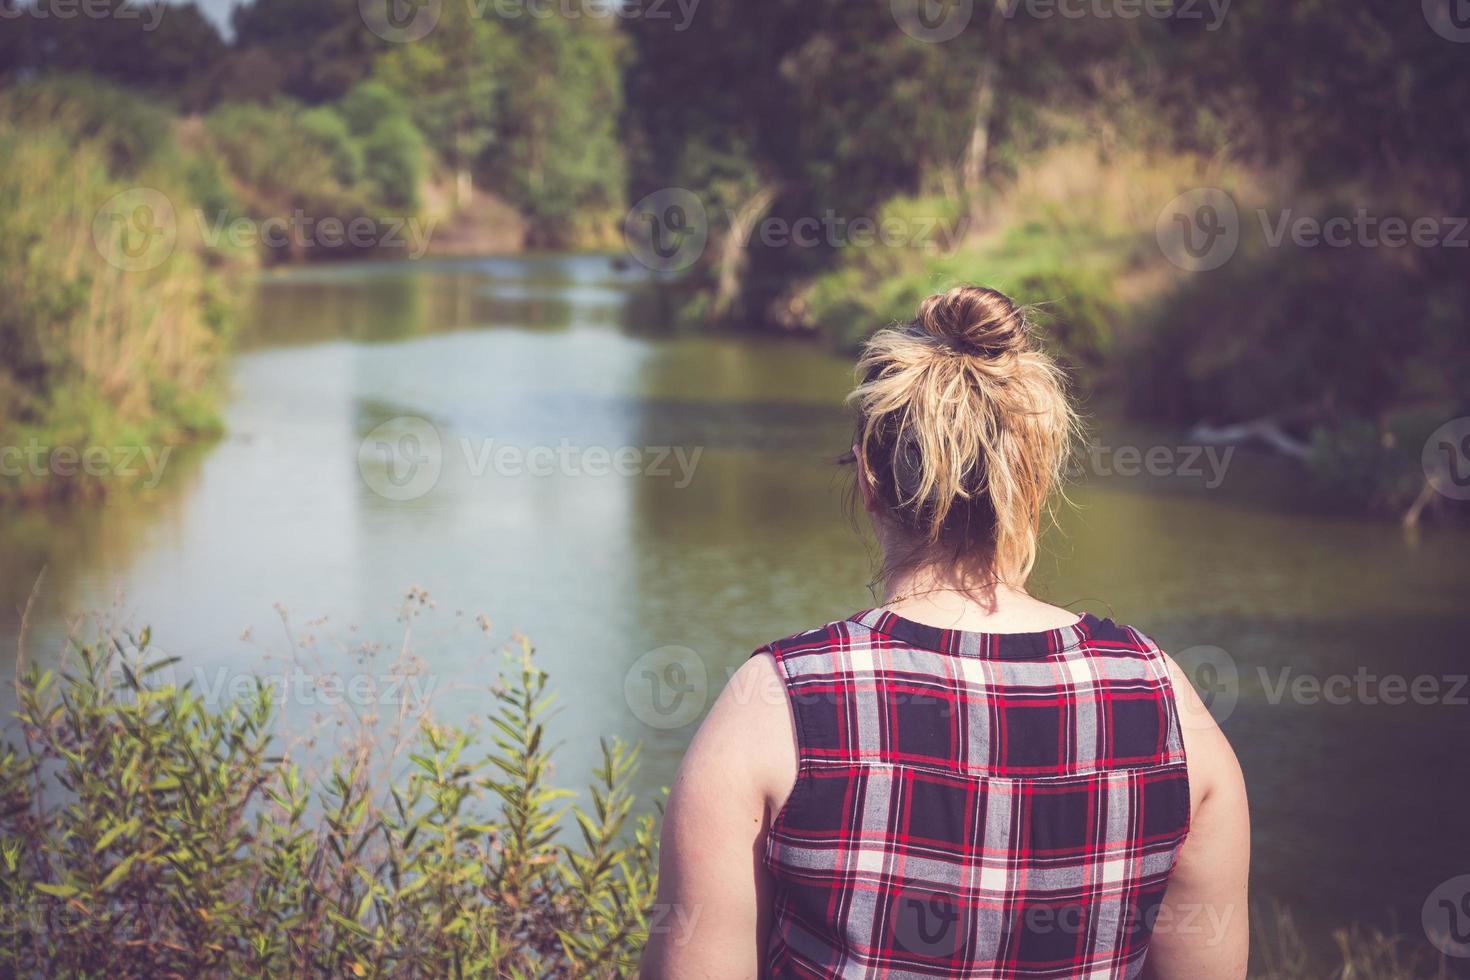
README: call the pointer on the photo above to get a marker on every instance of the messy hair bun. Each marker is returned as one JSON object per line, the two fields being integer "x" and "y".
{"x": 964, "y": 426}
{"x": 973, "y": 320}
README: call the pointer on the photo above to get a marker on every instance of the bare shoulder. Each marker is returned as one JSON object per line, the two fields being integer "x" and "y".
{"x": 748, "y": 735}
{"x": 714, "y": 829}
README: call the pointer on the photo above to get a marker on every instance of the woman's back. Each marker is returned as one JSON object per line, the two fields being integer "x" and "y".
{"x": 1005, "y": 792}
{"x": 974, "y": 804}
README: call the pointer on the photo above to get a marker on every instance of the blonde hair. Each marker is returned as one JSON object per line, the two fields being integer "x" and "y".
{"x": 964, "y": 430}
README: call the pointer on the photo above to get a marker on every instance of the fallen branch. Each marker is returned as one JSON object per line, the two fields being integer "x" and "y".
{"x": 1266, "y": 431}
{"x": 1426, "y": 496}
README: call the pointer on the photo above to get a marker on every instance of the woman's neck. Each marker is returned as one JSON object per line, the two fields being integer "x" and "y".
{"x": 976, "y": 602}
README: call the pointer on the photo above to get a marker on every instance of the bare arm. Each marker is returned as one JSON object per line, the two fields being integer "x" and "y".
{"x": 1203, "y": 929}
{"x": 713, "y": 894}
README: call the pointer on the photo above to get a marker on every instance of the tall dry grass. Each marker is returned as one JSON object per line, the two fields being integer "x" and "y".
{"x": 106, "y": 341}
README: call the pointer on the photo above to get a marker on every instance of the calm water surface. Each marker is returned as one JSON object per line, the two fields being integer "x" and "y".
{"x": 1360, "y": 808}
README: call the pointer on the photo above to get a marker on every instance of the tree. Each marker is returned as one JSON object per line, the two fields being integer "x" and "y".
{"x": 558, "y": 153}
{"x": 168, "y": 49}
{"x": 451, "y": 79}
{"x": 323, "y": 46}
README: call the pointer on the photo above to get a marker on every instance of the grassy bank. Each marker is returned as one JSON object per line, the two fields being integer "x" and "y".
{"x": 149, "y": 830}
{"x": 114, "y": 313}
{"x": 127, "y": 231}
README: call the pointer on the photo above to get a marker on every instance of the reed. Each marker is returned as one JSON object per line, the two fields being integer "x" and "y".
{"x": 101, "y": 349}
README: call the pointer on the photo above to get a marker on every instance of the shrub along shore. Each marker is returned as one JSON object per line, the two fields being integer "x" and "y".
{"x": 146, "y": 833}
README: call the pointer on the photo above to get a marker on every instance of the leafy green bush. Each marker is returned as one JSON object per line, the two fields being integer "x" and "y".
{"x": 330, "y": 131}
{"x": 395, "y": 161}
{"x": 1378, "y": 464}
{"x": 145, "y": 833}
{"x": 395, "y": 154}
{"x": 317, "y": 161}
{"x": 369, "y": 103}
{"x": 556, "y": 153}
{"x": 271, "y": 154}
{"x": 1360, "y": 351}
{"x": 1327, "y": 334}
{"x": 1072, "y": 234}
{"x": 1071, "y": 279}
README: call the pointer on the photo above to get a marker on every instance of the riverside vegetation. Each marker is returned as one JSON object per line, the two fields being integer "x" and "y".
{"x": 1037, "y": 149}
{"x": 261, "y": 150}
{"x": 1031, "y": 150}
{"x": 93, "y": 353}
{"x": 145, "y": 832}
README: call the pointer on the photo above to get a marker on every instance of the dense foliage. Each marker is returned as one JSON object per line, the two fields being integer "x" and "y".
{"x": 1045, "y": 141}
{"x": 1035, "y": 146}
{"x": 525, "y": 102}
{"x": 306, "y": 136}
{"x": 96, "y": 351}
{"x": 145, "y": 832}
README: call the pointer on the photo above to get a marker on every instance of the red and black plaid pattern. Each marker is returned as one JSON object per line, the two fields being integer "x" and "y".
{"x": 975, "y": 805}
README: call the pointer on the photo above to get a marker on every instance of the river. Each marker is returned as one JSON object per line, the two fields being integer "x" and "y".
{"x": 627, "y": 496}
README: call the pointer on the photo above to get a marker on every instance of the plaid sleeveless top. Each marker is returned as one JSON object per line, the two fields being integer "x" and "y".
{"x": 1003, "y": 805}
